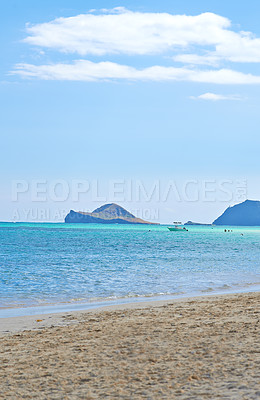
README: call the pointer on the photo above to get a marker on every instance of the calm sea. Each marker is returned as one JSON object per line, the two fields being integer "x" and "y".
{"x": 44, "y": 264}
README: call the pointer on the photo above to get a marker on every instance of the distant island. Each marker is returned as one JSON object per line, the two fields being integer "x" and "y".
{"x": 106, "y": 214}
{"x": 196, "y": 223}
{"x": 243, "y": 214}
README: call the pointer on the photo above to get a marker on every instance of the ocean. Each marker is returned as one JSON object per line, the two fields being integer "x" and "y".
{"x": 65, "y": 266}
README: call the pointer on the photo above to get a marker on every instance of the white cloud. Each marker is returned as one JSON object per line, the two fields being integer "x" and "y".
{"x": 123, "y": 31}
{"x": 234, "y": 47}
{"x": 216, "y": 97}
{"x": 115, "y": 10}
{"x": 120, "y": 31}
{"x": 236, "y": 50}
{"x": 203, "y": 40}
{"x": 83, "y": 70}
{"x": 196, "y": 59}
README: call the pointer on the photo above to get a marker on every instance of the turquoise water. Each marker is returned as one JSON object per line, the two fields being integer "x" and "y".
{"x": 54, "y": 263}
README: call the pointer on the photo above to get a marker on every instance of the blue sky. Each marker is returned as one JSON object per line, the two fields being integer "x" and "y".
{"x": 118, "y": 92}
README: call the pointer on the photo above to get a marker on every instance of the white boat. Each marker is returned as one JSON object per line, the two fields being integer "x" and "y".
{"x": 177, "y": 227}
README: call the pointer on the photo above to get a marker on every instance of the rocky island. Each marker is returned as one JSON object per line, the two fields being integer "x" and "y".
{"x": 197, "y": 223}
{"x": 106, "y": 214}
{"x": 243, "y": 214}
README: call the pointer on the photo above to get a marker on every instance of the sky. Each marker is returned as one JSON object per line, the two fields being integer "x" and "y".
{"x": 152, "y": 105}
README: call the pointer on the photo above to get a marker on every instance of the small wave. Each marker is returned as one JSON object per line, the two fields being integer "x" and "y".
{"x": 208, "y": 290}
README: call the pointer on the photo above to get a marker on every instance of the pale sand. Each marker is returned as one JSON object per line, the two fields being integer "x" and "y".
{"x": 200, "y": 348}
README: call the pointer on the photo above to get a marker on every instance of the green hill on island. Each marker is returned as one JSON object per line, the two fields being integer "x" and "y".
{"x": 106, "y": 214}
{"x": 243, "y": 214}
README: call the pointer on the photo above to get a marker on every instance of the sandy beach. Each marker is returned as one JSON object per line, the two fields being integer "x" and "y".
{"x": 197, "y": 348}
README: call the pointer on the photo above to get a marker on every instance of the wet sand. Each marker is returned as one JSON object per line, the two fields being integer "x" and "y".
{"x": 198, "y": 348}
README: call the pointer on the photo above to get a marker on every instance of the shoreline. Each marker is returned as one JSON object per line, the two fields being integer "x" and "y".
{"x": 63, "y": 307}
{"x": 20, "y": 323}
{"x": 195, "y": 348}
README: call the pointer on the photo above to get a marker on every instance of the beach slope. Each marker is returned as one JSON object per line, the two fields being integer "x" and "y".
{"x": 205, "y": 348}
